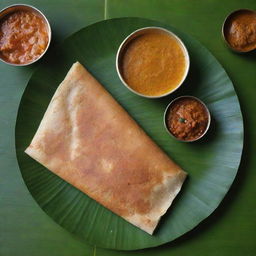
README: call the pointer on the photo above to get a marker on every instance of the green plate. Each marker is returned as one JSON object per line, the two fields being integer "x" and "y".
{"x": 211, "y": 163}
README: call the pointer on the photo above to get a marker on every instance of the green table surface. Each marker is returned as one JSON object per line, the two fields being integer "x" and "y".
{"x": 25, "y": 230}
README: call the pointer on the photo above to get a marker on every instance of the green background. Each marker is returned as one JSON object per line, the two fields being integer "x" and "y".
{"x": 25, "y": 230}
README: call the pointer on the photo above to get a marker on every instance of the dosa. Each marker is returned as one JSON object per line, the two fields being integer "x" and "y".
{"x": 90, "y": 141}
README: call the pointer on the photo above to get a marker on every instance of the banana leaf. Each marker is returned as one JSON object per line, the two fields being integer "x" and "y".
{"x": 211, "y": 163}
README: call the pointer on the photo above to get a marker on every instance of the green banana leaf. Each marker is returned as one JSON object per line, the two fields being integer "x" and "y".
{"x": 211, "y": 163}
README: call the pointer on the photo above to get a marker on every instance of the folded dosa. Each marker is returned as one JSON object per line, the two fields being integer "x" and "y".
{"x": 90, "y": 141}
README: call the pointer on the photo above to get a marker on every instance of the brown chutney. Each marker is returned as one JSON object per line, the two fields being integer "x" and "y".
{"x": 239, "y": 30}
{"x": 187, "y": 118}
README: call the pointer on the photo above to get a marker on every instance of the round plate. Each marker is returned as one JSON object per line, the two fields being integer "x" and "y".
{"x": 211, "y": 163}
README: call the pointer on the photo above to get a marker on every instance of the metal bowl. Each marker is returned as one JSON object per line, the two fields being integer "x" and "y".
{"x": 194, "y": 98}
{"x": 137, "y": 33}
{"x": 225, "y": 23}
{"x": 24, "y": 7}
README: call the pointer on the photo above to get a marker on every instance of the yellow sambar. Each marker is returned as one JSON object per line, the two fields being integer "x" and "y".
{"x": 153, "y": 63}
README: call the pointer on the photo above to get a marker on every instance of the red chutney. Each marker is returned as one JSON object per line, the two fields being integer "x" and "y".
{"x": 23, "y": 37}
{"x": 187, "y": 119}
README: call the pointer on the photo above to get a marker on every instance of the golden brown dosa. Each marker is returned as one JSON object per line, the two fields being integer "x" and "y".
{"x": 89, "y": 140}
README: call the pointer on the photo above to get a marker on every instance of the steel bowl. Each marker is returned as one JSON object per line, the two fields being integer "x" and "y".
{"x": 24, "y": 7}
{"x": 140, "y": 32}
{"x": 191, "y": 97}
{"x": 225, "y": 23}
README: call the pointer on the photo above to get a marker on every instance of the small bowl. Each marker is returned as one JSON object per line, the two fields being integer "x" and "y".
{"x": 226, "y": 23}
{"x": 140, "y": 32}
{"x": 189, "y": 97}
{"x": 24, "y": 7}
